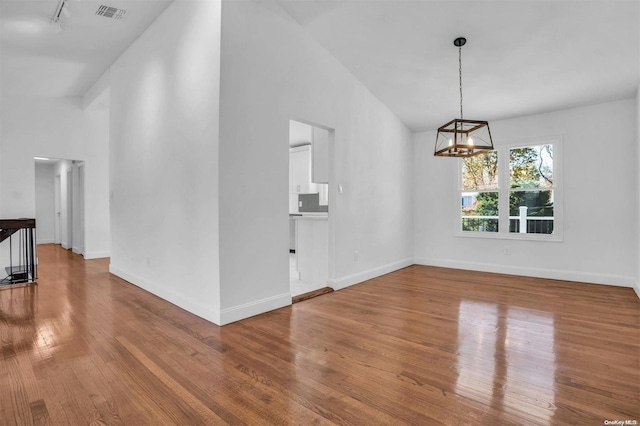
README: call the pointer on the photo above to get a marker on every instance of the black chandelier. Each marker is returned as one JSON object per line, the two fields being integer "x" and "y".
{"x": 460, "y": 137}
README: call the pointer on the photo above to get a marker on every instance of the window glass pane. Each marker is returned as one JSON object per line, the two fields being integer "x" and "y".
{"x": 479, "y": 211}
{"x": 531, "y": 212}
{"x": 531, "y": 167}
{"x": 480, "y": 171}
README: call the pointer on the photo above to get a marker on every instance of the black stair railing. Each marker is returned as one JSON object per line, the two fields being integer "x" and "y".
{"x": 21, "y": 236}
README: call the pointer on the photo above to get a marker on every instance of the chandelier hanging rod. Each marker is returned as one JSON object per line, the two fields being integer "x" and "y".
{"x": 461, "y": 137}
{"x": 460, "y": 41}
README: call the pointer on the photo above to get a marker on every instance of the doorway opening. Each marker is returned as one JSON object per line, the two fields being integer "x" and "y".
{"x": 310, "y": 146}
{"x": 59, "y": 192}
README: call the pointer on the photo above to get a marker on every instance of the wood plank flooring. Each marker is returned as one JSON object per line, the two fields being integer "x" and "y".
{"x": 311, "y": 294}
{"x": 419, "y": 346}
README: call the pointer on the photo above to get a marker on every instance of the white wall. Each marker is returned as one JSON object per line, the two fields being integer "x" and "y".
{"x": 600, "y": 212}
{"x": 637, "y": 206}
{"x": 45, "y": 212}
{"x": 55, "y": 128}
{"x": 164, "y": 99}
{"x": 45, "y": 127}
{"x": 299, "y": 133}
{"x": 272, "y": 71}
{"x": 97, "y": 232}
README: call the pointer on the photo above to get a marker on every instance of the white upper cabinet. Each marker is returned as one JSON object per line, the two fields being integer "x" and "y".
{"x": 300, "y": 171}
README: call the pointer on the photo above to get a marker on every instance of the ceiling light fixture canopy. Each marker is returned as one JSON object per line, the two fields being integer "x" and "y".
{"x": 461, "y": 137}
{"x": 55, "y": 20}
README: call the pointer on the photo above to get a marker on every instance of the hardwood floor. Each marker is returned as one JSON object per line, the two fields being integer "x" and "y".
{"x": 419, "y": 346}
{"x": 311, "y": 294}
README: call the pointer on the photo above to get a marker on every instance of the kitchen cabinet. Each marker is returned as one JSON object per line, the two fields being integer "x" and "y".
{"x": 323, "y": 194}
{"x": 300, "y": 175}
{"x": 312, "y": 248}
{"x": 292, "y": 235}
{"x": 300, "y": 171}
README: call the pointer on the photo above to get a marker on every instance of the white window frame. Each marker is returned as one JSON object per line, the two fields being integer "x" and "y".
{"x": 503, "y": 195}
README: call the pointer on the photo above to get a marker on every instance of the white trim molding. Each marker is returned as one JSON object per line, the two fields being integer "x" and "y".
{"x": 504, "y": 190}
{"x": 96, "y": 254}
{"x": 218, "y": 317}
{"x": 349, "y": 280}
{"x": 553, "y": 274}
{"x": 636, "y": 288}
{"x": 246, "y": 310}
{"x": 212, "y": 315}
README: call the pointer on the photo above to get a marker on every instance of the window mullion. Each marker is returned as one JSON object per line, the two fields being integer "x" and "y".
{"x": 503, "y": 190}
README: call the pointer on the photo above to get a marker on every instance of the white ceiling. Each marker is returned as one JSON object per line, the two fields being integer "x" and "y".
{"x": 522, "y": 57}
{"x": 38, "y": 61}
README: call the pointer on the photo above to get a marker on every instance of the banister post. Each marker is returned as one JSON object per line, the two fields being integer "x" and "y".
{"x": 523, "y": 219}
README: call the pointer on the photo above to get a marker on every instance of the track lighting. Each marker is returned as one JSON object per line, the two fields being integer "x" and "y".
{"x": 55, "y": 20}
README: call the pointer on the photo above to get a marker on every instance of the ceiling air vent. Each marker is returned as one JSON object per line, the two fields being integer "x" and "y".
{"x": 110, "y": 12}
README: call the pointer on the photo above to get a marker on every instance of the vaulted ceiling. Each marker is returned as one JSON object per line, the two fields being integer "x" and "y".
{"x": 522, "y": 57}
{"x": 40, "y": 59}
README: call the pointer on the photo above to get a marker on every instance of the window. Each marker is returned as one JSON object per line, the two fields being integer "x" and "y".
{"x": 480, "y": 193}
{"x": 531, "y": 189}
{"x": 512, "y": 192}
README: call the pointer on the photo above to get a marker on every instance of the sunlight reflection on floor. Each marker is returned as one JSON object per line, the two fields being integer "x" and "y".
{"x": 504, "y": 343}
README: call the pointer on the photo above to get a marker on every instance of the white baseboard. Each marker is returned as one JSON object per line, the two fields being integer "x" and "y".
{"x": 77, "y": 250}
{"x": 44, "y": 241}
{"x": 636, "y": 288}
{"x": 195, "y": 308}
{"x": 65, "y": 246}
{"x": 257, "y": 307}
{"x": 349, "y": 280}
{"x": 554, "y": 274}
{"x": 96, "y": 254}
{"x": 226, "y": 316}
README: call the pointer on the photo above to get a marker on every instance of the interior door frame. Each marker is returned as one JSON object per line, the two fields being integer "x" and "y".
{"x": 79, "y": 203}
{"x": 69, "y": 173}
{"x": 57, "y": 207}
{"x": 331, "y": 273}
